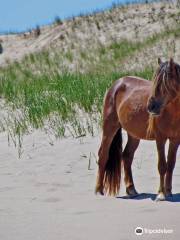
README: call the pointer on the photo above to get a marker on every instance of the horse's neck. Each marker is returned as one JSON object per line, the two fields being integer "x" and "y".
{"x": 169, "y": 122}
{"x": 174, "y": 108}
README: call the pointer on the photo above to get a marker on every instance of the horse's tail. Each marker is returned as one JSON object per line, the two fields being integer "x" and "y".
{"x": 112, "y": 177}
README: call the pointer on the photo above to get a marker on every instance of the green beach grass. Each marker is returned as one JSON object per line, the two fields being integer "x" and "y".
{"x": 40, "y": 95}
{"x": 70, "y": 104}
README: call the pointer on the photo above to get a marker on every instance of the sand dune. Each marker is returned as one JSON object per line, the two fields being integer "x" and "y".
{"x": 133, "y": 22}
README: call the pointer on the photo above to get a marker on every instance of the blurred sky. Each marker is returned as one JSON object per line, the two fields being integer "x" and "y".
{"x": 19, "y": 15}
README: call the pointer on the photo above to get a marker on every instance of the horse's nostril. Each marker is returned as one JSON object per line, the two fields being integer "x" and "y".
{"x": 153, "y": 107}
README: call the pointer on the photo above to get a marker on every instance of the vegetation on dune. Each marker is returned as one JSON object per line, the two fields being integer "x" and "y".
{"x": 43, "y": 91}
{"x": 65, "y": 104}
{"x": 98, "y": 59}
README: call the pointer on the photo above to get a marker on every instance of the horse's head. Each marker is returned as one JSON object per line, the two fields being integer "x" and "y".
{"x": 166, "y": 85}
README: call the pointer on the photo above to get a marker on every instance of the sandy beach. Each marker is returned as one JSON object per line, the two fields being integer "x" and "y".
{"x": 48, "y": 194}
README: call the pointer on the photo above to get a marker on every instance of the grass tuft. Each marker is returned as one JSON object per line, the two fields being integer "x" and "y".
{"x": 42, "y": 92}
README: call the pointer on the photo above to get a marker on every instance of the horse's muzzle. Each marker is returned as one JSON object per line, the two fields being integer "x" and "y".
{"x": 154, "y": 107}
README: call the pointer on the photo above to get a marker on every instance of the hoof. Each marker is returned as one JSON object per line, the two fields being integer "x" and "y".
{"x": 99, "y": 193}
{"x": 99, "y": 190}
{"x": 160, "y": 197}
{"x": 131, "y": 192}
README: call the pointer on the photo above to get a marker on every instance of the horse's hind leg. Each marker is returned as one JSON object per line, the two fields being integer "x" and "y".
{"x": 128, "y": 155}
{"x": 110, "y": 128}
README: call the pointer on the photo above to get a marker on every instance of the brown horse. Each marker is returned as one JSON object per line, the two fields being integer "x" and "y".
{"x": 145, "y": 110}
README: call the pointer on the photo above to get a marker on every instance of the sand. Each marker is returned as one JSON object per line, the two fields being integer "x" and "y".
{"x": 48, "y": 194}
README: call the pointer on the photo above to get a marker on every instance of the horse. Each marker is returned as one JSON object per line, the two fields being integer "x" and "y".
{"x": 148, "y": 110}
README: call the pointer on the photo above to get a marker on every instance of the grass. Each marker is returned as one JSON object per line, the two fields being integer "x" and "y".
{"x": 124, "y": 48}
{"x": 68, "y": 103}
{"x": 99, "y": 59}
{"x": 40, "y": 93}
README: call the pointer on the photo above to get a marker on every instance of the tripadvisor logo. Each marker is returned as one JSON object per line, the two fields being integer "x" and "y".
{"x": 139, "y": 231}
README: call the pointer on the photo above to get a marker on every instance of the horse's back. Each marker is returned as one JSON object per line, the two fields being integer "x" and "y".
{"x": 127, "y": 87}
{"x": 133, "y": 83}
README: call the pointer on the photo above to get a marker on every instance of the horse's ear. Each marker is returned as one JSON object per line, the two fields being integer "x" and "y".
{"x": 171, "y": 61}
{"x": 159, "y": 61}
{"x": 171, "y": 65}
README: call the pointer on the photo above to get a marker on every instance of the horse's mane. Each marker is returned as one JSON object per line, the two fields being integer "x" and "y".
{"x": 163, "y": 80}
{"x": 151, "y": 127}
{"x": 164, "y": 83}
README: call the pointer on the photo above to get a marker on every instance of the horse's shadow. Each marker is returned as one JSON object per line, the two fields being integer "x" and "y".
{"x": 152, "y": 196}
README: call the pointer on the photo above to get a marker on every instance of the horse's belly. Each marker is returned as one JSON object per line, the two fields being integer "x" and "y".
{"x": 136, "y": 126}
{"x": 134, "y": 119}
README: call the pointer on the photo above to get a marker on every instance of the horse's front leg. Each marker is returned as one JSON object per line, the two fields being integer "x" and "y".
{"x": 162, "y": 166}
{"x": 173, "y": 147}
